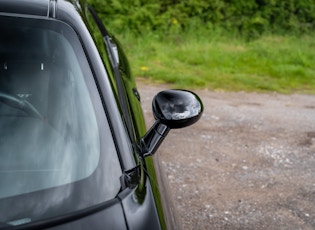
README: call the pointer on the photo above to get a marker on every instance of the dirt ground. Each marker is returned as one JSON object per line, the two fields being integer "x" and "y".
{"x": 249, "y": 163}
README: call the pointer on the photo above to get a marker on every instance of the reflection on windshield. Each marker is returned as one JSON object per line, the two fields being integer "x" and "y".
{"x": 38, "y": 154}
{"x": 50, "y": 146}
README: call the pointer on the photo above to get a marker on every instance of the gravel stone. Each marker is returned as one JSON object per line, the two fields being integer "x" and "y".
{"x": 249, "y": 163}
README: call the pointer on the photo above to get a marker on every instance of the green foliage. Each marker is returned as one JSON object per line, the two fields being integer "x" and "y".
{"x": 251, "y": 45}
{"x": 250, "y": 18}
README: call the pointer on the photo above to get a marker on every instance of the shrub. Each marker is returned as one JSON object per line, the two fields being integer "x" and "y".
{"x": 249, "y": 18}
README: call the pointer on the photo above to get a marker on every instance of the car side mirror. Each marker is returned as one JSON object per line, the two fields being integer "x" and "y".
{"x": 172, "y": 109}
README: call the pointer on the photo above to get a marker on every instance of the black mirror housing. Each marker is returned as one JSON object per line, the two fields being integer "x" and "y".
{"x": 177, "y": 108}
{"x": 172, "y": 109}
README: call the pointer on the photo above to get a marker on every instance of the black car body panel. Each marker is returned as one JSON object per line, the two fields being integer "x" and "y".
{"x": 78, "y": 203}
{"x": 35, "y": 8}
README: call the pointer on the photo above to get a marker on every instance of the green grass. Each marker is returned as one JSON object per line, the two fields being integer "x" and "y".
{"x": 283, "y": 64}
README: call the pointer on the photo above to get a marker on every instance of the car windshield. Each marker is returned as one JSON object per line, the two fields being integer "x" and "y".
{"x": 57, "y": 154}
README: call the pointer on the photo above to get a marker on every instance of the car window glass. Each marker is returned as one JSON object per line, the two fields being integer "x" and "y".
{"x": 54, "y": 137}
{"x": 66, "y": 131}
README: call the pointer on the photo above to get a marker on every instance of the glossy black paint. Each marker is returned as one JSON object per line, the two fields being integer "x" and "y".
{"x": 39, "y": 8}
{"x": 137, "y": 206}
{"x": 177, "y": 108}
{"x": 172, "y": 109}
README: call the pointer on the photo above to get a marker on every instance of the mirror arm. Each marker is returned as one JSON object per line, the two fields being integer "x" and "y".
{"x": 153, "y": 138}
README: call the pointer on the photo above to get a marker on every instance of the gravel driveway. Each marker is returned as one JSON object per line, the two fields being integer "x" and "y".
{"x": 249, "y": 163}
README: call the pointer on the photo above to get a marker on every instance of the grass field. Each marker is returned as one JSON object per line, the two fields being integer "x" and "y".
{"x": 284, "y": 64}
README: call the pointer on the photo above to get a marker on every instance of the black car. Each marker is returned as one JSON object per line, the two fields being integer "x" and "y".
{"x": 74, "y": 150}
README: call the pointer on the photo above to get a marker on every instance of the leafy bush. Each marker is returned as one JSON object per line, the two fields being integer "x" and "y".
{"x": 249, "y": 18}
